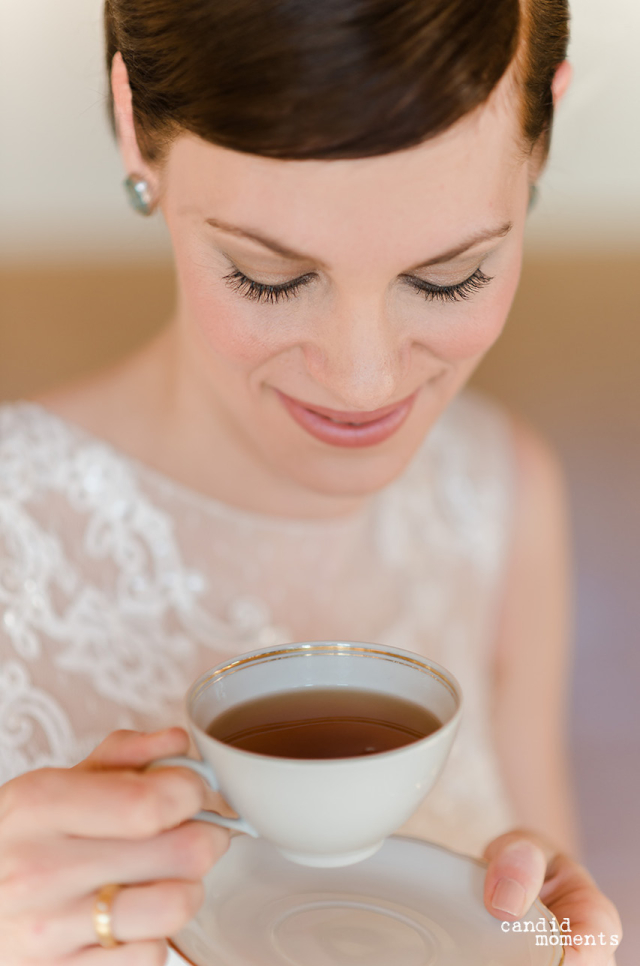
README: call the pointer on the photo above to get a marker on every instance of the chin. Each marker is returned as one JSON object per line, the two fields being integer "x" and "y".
{"x": 350, "y": 483}
{"x": 336, "y": 472}
{"x": 351, "y": 473}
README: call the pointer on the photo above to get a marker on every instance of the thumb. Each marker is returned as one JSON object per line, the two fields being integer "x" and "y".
{"x": 516, "y": 871}
{"x": 135, "y": 749}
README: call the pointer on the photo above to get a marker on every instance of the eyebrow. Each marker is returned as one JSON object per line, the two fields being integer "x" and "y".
{"x": 275, "y": 246}
{"x": 482, "y": 236}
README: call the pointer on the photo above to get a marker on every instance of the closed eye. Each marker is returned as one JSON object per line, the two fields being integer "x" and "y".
{"x": 451, "y": 293}
{"x": 261, "y": 292}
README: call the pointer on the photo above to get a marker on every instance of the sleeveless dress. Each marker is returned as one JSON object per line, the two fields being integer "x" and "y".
{"x": 118, "y": 587}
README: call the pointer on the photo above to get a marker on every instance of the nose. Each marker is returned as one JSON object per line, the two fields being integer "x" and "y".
{"x": 358, "y": 357}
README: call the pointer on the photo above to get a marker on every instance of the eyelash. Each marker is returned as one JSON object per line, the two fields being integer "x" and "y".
{"x": 452, "y": 293}
{"x": 259, "y": 292}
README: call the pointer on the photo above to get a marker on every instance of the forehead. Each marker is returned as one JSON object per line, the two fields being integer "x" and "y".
{"x": 461, "y": 180}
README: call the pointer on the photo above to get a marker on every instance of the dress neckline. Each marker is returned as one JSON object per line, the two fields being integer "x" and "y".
{"x": 208, "y": 504}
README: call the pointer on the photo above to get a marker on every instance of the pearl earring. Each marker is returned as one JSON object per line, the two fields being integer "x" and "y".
{"x": 534, "y": 194}
{"x": 139, "y": 194}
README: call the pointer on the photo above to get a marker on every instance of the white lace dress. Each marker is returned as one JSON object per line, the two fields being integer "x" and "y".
{"x": 118, "y": 587}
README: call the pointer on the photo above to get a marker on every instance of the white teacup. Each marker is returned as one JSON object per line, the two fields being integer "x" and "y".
{"x": 322, "y": 812}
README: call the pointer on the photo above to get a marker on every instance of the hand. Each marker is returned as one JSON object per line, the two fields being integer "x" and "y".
{"x": 66, "y": 833}
{"x": 532, "y": 868}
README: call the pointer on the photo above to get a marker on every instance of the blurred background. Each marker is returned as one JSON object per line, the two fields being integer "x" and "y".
{"x": 83, "y": 279}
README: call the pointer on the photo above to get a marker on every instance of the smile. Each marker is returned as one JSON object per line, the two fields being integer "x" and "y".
{"x": 348, "y": 429}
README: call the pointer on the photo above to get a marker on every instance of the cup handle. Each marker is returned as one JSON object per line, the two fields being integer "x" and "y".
{"x": 207, "y": 773}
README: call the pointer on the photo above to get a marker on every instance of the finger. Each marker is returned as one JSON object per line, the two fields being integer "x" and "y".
{"x": 134, "y": 749}
{"x": 571, "y": 894}
{"x": 99, "y": 804}
{"x": 138, "y": 914}
{"x": 514, "y": 877}
{"x": 148, "y": 912}
{"x": 136, "y": 954}
{"x": 35, "y": 874}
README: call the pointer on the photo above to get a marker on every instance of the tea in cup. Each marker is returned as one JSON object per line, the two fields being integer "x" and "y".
{"x": 323, "y": 748}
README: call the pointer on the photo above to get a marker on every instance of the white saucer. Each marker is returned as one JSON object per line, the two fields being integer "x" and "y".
{"x": 411, "y": 904}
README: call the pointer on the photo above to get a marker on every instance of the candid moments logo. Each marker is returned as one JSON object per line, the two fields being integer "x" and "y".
{"x": 554, "y": 934}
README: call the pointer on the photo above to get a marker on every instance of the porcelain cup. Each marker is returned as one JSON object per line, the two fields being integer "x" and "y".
{"x": 322, "y": 812}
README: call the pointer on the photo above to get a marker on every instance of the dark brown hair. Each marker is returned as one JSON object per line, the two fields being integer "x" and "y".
{"x": 329, "y": 78}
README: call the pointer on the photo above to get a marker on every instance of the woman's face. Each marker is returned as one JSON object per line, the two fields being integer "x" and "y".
{"x": 398, "y": 274}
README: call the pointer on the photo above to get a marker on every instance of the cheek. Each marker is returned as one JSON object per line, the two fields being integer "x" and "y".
{"x": 226, "y": 326}
{"x": 469, "y": 332}
{"x": 467, "y": 329}
{"x": 227, "y": 333}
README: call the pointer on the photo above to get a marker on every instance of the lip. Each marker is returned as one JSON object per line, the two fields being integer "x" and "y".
{"x": 348, "y": 429}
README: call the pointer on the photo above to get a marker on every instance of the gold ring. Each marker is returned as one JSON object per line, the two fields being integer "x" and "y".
{"x": 102, "y": 916}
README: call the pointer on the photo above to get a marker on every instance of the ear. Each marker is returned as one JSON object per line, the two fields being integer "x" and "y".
{"x": 561, "y": 81}
{"x": 123, "y": 107}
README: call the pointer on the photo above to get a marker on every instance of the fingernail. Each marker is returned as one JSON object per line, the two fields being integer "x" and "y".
{"x": 509, "y": 896}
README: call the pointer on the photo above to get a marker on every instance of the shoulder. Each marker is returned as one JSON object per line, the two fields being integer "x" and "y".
{"x": 46, "y": 462}
{"x": 26, "y": 422}
{"x": 495, "y": 439}
{"x": 540, "y": 490}
{"x": 25, "y": 435}
{"x": 474, "y": 436}
{"x": 33, "y": 443}
{"x": 537, "y": 591}
{"x": 458, "y": 491}
{"x": 469, "y": 456}
{"x": 489, "y": 460}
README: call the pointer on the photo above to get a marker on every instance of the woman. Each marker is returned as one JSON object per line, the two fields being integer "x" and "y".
{"x": 293, "y": 457}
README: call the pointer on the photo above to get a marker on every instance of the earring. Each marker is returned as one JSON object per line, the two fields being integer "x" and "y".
{"x": 139, "y": 194}
{"x": 534, "y": 194}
